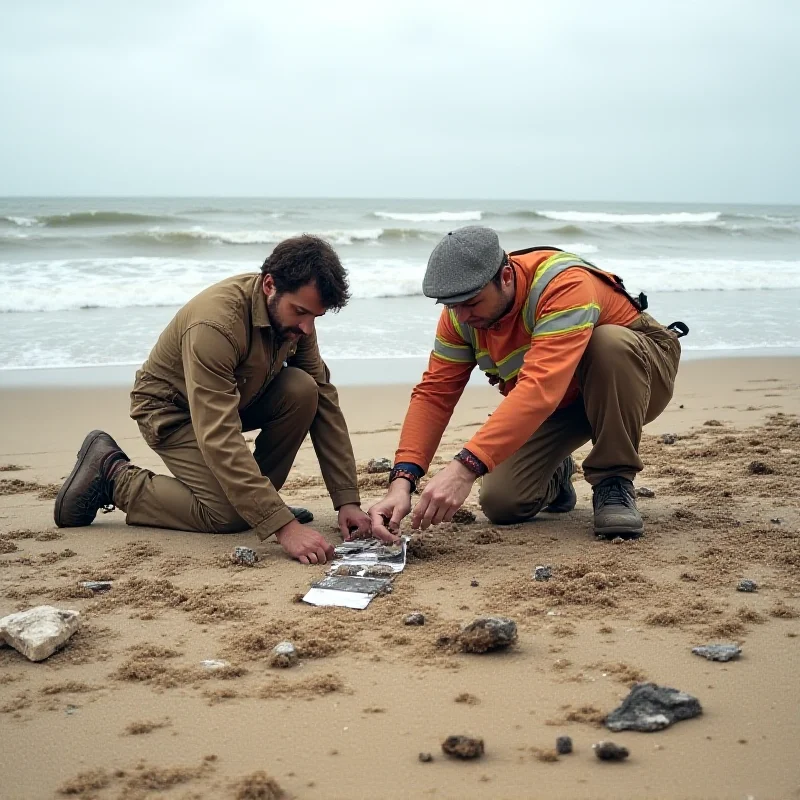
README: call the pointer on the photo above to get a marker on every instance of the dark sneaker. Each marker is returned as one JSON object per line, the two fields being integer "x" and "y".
{"x": 89, "y": 486}
{"x": 566, "y": 498}
{"x": 302, "y": 515}
{"x": 615, "y": 512}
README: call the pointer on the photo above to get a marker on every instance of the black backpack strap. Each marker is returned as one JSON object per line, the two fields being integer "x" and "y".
{"x": 680, "y": 329}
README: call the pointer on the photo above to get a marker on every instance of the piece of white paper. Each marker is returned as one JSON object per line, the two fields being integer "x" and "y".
{"x": 333, "y": 597}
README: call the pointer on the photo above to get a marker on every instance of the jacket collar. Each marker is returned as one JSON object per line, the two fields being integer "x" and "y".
{"x": 259, "y": 303}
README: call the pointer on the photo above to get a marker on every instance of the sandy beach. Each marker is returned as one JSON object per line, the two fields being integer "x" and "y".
{"x": 126, "y": 710}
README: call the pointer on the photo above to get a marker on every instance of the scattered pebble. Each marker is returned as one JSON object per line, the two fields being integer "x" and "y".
{"x": 414, "y": 619}
{"x": 563, "y": 745}
{"x": 283, "y": 655}
{"x": 759, "y": 468}
{"x": 426, "y": 758}
{"x": 244, "y": 556}
{"x": 473, "y": 583}
{"x": 746, "y": 585}
{"x": 668, "y": 438}
{"x": 214, "y": 664}
{"x": 542, "y": 573}
{"x": 464, "y": 516}
{"x": 718, "y": 652}
{"x": 488, "y": 633}
{"x": 608, "y": 751}
{"x": 643, "y": 491}
{"x": 649, "y": 708}
{"x": 463, "y": 747}
{"x": 96, "y": 586}
{"x": 776, "y": 520}
{"x": 378, "y": 465}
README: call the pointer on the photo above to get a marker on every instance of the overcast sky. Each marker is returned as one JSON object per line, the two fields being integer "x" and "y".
{"x": 660, "y": 100}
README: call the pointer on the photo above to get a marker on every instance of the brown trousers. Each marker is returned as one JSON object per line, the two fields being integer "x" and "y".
{"x": 194, "y": 500}
{"x": 626, "y": 377}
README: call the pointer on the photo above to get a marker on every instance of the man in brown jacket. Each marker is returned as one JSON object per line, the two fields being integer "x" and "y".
{"x": 240, "y": 356}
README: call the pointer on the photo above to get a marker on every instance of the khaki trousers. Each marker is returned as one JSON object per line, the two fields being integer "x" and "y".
{"x": 193, "y": 499}
{"x": 626, "y": 378}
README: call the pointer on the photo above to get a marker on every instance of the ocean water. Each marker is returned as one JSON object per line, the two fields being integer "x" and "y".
{"x": 91, "y": 282}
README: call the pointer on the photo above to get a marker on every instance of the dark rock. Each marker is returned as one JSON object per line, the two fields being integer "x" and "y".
{"x": 378, "y": 465}
{"x": 776, "y": 520}
{"x": 473, "y": 584}
{"x": 414, "y": 619}
{"x": 746, "y": 585}
{"x": 542, "y": 573}
{"x": 563, "y": 745}
{"x": 488, "y": 633}
{"x": 718, "y": 652}
{"x": 425, "y": 758}
{"x": 96, "y": 586}
{"x": 464, "y": 516}
{"x": 668, "y": 438}
{"x": 463, "y": 747}
{"x": 608, "y": 751}
{"x": 759, "y": 468}
{"x": 643, "y": 491}
{"x": 244, "y": 556}
{"x": 649, "y": 708}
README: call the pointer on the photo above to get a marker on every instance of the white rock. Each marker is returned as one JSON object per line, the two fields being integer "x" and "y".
{"x": 38, "y": 632}
{"x": 214, "y": 664}
{"x": 283, "y": 655}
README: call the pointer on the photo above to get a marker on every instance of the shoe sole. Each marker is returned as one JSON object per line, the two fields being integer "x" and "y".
{"x": 87, "y": 443}
{"x": 618, "y": 532}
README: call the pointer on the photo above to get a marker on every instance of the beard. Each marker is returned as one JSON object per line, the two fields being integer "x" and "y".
{"x": 282, "y": 332}
{"x": 499, "y": 313}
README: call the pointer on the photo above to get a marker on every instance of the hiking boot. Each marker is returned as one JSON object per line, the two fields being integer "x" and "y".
{"x": 615, "y": 512}
{"x": 90, "y": 485}
{"x": 302, "y": 515}
{"x": 561, "y": 482}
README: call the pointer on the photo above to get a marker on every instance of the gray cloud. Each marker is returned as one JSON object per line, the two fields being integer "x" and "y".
{"x": 619, "y": 100}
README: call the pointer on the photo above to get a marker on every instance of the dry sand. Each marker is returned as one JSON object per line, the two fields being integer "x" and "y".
{"x": 126, "y": 710}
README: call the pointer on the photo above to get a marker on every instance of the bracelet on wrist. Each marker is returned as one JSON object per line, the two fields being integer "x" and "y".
{"x": 403, "y": 473}
{"x": 471, "y": 462}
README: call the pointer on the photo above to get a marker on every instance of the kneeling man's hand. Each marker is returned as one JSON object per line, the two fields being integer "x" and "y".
{"x": 387, "y": 514}
{"x": 305, "y": 544}
{"x": 353, "y": 522}
{"x": 443, "y": 495}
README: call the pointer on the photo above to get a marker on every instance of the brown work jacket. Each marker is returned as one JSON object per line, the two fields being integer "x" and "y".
{"x": 213, "y": 361}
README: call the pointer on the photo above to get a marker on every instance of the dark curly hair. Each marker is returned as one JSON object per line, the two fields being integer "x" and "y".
{"x": 307, "y": 259}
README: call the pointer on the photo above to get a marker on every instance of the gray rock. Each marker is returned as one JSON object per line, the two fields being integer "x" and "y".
{"x": 96, "y": 586}
{"x": 463, "y": 747}
{"x": 649, "y": 708}
{"x": 464, "y": 516}
{"x": 414, "y": 619}
{"x": 563, "y": 745}
{"x": 746, "y": 585}
{"x": 488, "y": 633}
{"x": 668, "y": 438}
{"x": 283, "y": 655}
{"x": 378, "y": 465}
{"x": 425, "y": 758}
{"x": 543, "y": 573}
{"x": 608, "y": 751}
{"x": 643, "y": 491}
{"x": 38, "y": 632}
{"x": 718, "y": 652}
{"x": 213, "y": 664}
{"x": 244, "y": 556}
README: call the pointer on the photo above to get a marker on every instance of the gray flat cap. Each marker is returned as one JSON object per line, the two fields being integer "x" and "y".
{"x": 462, "y": 264}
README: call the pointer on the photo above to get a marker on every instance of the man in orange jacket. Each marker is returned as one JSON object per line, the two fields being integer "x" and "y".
{"x": 576, "y": 359}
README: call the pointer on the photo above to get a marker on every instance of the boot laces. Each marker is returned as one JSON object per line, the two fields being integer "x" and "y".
{"x": 614, "y": 493}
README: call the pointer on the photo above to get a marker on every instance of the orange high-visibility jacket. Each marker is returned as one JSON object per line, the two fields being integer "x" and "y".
{"x": 534, "y": 350}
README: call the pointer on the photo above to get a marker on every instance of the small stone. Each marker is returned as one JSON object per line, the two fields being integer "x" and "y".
{"x": 718, "y": 652}
{"x": 542, "y": 573}
{"x": 668, "y": 438}
{"x": 473, "y": 584}
{"x": 38, "y": 632}
{"x": 618, "y": 540}
{"x": 283, "y": 655}
{"x": 96, "y": 586}
{"x": 649, "y": 708}
{"x": 425, "y": 758}
{"x": 713, "y": 423}
{"x": 378, "y": 465}
{"x": 464, "y": 516}
{"x": 244, "y": 556}
{"x": 681, "y": 405}
{"x": 488, "y": 633}
{"x": 643, "y": 491}
{"x": 463, "y": 747}
{"x": 563, "y": 745}
{"x": 414, "y": 619}
{"x": 608, "y": 751}
{"x": 759, "y": 468}
{"x": 746, "y": 585}
{"x": 213, "y": 664}
{"x": 776, "y": 520}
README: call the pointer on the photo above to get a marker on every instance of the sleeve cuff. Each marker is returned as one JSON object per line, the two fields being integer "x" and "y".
{"x": 343, "y": 497}
{"x": 481, "y": 454}
{"x": 409, "y": 466}
{"x": 273, "y": 523}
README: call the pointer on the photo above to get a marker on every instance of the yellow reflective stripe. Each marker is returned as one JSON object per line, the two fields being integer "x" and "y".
{"x": 546, "y": 271}
{"x": 461, "y": 353}
{"x": 569, "y": 320}
{"x": 512, "y": 364}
